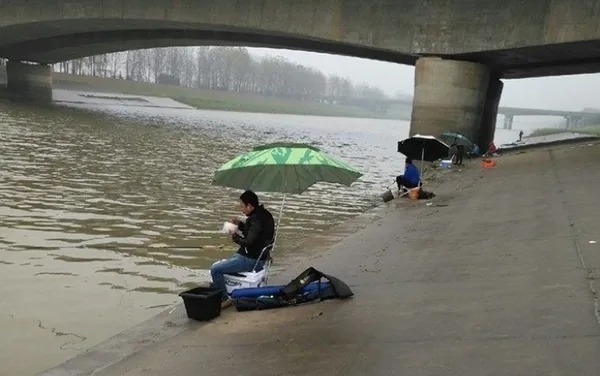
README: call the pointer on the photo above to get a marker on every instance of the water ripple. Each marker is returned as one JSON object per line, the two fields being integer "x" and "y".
{"x": 141, "y": 177}
{"x": 107, "y": 213}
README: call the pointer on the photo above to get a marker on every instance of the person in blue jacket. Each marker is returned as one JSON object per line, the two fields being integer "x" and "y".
{"x": 411, "y": 177}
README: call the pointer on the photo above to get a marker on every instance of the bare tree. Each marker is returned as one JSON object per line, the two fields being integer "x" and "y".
{"x": 227, "y": 68}
{"x": 115, "y": 63}
{"x": 158, "y": 61}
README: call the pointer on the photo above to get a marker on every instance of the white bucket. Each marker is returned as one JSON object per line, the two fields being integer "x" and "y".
{"x": 245, "y": 280}
{"x": 447, "y": 163}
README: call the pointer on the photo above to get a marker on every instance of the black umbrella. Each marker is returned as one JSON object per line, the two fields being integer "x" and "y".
{"x": 424, "y": 148}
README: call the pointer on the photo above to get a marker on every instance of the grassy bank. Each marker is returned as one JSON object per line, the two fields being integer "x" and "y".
{"x": 593, "y": 130}
{"x": 221, "y": 100}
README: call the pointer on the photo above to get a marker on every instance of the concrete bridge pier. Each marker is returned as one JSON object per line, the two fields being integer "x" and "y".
{"x": 29, "y": 81}
{"x": 572, "y": 121}
{"x": 508, "y": 121}
{"x": 490, "y": 113}
{"x": 455, "y": 96}
{"x": 569, "y": 120}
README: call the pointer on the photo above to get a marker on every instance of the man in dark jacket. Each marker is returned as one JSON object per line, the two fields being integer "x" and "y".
{"x": 257, "y": 232}
{"x": 460, "y": 154}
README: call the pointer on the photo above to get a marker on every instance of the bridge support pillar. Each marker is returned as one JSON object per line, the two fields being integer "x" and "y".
{"x": 490, "y": 114}
{"x": 29, "y": 81}
{"x": 569, "y": 122}
{"x": 508, "y": 121}
{"x": 455, "y": 96}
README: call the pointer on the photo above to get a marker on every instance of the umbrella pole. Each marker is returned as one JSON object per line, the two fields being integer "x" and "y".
{"x": 276, "y": 231}
{"x": 422, "y": 163}
{"x": 278, "y": 220}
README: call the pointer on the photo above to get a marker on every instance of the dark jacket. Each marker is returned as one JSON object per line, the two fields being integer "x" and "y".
{"x": 258, "y": 231}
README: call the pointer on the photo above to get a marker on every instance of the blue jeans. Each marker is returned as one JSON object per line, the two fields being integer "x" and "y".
{"x": 236, "y": 264}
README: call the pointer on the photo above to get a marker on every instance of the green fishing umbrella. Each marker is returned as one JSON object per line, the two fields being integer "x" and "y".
{"x": 285, "y": 168}
{"x": 456, "y": 138}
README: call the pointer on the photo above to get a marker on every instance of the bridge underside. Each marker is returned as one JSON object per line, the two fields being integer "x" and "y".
{"x": 539, "y": 61}
{"x": 55, "y": 41}
{"x": 454, "y": 91}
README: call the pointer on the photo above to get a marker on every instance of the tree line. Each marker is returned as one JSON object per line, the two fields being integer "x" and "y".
{"x": 232, "y": 69}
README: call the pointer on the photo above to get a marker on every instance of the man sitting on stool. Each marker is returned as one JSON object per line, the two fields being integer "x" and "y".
{"x": 411, "y": 178}
{"x": 258, "y": 232}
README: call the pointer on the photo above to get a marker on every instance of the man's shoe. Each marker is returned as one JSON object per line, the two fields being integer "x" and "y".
{"x": 226, "y": 303}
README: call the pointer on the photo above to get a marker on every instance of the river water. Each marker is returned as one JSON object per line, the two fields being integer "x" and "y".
{"x": 107, "y": 212}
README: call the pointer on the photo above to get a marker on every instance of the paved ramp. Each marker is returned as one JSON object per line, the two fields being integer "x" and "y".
{"x": 497, "y": 277}
{"x": 114, "y": 99}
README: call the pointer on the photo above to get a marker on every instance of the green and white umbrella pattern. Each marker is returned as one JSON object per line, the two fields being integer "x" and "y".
{"x": 284, "y": 167}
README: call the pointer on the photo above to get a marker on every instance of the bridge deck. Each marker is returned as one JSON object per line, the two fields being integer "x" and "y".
{"x": 516, "y": 111}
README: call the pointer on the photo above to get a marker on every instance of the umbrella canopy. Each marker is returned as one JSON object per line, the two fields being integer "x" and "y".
{"x": 422, "y": 147}
{"x": 456, "y": 138}
{"x": 285, "y": 168}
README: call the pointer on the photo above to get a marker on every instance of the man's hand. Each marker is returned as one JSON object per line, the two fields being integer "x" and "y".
{"x": 237, "y": 239}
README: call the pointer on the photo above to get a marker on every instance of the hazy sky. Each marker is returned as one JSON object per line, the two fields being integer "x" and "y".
{"x": 561, "y": 93}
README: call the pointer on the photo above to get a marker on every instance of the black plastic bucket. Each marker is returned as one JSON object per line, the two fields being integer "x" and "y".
{"x": 387, "y": 196}
{"x": 202, "y": 303}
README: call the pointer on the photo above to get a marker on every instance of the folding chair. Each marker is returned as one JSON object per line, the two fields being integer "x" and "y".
{"x": 253, "y": 278}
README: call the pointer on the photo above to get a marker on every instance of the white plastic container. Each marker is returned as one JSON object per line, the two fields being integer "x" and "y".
{"x": 249, "y": 279}
{"x": 447, "y": 163}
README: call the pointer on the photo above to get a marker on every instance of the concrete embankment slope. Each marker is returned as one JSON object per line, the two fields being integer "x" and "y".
{"x": 547, "y": 140}
{"x": 108, "y": 99}
{"x": 496, "y": 277}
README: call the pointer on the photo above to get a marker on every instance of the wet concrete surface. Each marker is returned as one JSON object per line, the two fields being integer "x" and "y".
{"x": 547, "y": 140}
{"x": 501, "y": 281}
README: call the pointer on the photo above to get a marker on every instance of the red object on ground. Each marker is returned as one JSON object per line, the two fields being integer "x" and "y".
{"x": 488, "y": 163}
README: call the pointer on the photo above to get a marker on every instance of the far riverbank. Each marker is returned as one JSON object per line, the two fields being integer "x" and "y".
{"x": 220, "y": 100}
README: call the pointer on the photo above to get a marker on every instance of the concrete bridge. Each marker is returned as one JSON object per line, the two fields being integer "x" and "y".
{"x": 461, "y": 49}
{"x": 572, "y": 117}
